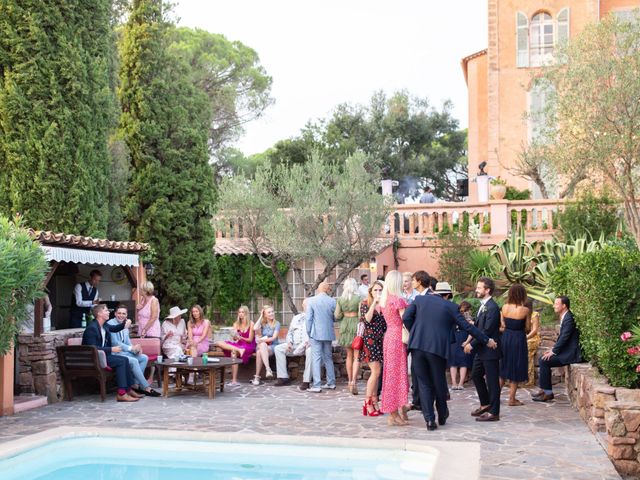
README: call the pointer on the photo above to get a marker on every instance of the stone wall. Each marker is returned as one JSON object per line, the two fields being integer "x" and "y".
{"x": 38, "y": 363}
{"x": 614, "y": 411}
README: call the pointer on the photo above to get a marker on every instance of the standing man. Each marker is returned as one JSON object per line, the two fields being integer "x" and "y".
{"x": 133, "y": 353}
{"x": 97, "y": 334}
{"x": 487, "y": 360}
{"x": 319, "y": 315}
{"x": 85, "y": 296}
{"x": 427, "y": 196}
{"x": 363, "y": 288}
{"x": 420, "y": 282}
{"x": 565, "y": 351}
{"x": 296, "y": 343}
{"x": 430, "y": 320}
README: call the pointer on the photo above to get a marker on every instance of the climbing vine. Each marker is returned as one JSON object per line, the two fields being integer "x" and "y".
{"x": 240, "y": 280}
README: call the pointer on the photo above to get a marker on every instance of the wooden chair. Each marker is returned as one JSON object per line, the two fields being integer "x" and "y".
{"x": 82, "y": 361}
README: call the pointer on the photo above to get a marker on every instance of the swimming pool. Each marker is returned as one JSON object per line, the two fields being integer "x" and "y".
{"x": 82, "y": 454}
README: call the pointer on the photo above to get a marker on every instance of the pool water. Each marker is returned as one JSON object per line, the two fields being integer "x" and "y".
{"x": 111, "y": 458}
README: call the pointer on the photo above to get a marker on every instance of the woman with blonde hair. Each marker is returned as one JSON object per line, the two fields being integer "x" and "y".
{"x": 395, "y": 380}
{"x": 371, "y": 352}
{"x": 198, "y": 330}
{"x": 148, "y": 312}
{"x": 268, "y": 338}
{"x": 243, "y": 343}
{"x": 347, "y": 307}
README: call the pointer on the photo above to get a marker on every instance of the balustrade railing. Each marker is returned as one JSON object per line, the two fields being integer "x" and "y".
{"x": 494, "y": 218}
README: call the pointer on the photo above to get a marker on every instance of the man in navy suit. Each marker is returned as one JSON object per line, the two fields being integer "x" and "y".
{"x": 564, "y": 352}
{"x": 486, "y": 364}
{"x": 430, "y": 320}
{"x": 97, "y": 334}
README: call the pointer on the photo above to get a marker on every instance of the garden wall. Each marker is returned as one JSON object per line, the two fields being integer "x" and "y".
{"x": 613, "y": 411}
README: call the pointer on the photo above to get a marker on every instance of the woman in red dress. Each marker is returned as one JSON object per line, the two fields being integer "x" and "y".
{"x": 395, "y": 379}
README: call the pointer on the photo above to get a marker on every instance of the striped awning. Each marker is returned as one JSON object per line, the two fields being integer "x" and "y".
{"x": 93, "y": 257}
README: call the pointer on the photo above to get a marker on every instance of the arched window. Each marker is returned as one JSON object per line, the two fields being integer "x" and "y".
{"x": 540, "y": 39}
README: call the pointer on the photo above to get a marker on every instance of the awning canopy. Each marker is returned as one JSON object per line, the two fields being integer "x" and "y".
{"x": 78, "y": 255}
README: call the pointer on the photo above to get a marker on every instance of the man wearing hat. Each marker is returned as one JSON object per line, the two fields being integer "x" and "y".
{"x": 444, "y": 290}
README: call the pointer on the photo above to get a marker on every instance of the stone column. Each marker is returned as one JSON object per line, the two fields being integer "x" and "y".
{"x": 6, "y": 384}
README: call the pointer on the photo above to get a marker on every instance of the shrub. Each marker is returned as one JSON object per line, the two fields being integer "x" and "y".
{"x": 22, "y": 273}
{"x": 604, "y": 288}
{"x": 454, "y": 259}
{"x": 514, "y": 194}
{"x": 590, "y": 215}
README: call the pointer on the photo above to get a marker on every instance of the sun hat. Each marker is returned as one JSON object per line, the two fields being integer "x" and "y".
{"x": 442, "y": 288}
{"x": 176, "y": 312}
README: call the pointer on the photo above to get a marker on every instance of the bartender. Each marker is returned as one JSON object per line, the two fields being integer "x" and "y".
{"x": 85, "y": 296}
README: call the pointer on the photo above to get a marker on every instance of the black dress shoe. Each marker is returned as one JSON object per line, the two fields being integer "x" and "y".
{"x": 545, "y": 397}
{"x": 431, "y": 425}
{"x": 415, "y": 407}
{"x": 479, "y": 411}
{"x": 488, "y": 417}
{"x": 151, "y": 393}
{"x": 442, "y": 419}
{"x": 281, "y": 382}
{"x": 304, "y": 386}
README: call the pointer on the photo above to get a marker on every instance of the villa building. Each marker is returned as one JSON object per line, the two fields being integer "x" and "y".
{"x": 523, "y": 35}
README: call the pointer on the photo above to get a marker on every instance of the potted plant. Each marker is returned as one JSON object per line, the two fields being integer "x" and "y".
{"x": 498, "y": 188}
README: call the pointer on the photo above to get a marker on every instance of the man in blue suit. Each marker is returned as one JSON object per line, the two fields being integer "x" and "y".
{"x": 486, "y": 364}
{"x": 430, "y": 320}
{"x": 319, "y": 316}
{"x": 564, "y": 352}
{"x": 97, "y": 334}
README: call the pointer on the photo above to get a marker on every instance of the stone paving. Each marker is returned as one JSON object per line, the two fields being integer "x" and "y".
{"x": 534, "y": 441}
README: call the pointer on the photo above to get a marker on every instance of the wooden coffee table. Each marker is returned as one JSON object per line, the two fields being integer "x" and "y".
{"x": 210, "y": 371}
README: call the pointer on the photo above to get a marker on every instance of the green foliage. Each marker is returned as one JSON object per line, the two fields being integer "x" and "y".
{"x": 165, "y": 124}
{"x": 515, "y": 194}
{"x": 454, "y": 261}
{"x": 592, "y": 216}
{"x": 239, "y": 280}
{"x": 481, "y": 264}
{"x": 403, "y": 136}
{"x": 57, "y": 109}
{"x": 604, "y": 290}
{"x": 22, "y": 272}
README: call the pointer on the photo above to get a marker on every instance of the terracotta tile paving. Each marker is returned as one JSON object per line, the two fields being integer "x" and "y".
{"x": 534, "y": 441}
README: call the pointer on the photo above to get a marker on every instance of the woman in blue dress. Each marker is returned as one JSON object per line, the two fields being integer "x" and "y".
{"x": 515, "y": 320}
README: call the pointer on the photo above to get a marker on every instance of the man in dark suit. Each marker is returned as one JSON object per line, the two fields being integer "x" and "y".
{"x": 486, "y": 364}
{"x": 430, "y": 320}
{"x": 97, "y": 334}
{"x": 564, "y": 352}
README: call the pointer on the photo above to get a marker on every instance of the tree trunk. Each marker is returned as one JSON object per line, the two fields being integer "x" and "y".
{"x": 284, "y": 286}
{"x": 632, "y": 217}
{"x": 350, "y": 267}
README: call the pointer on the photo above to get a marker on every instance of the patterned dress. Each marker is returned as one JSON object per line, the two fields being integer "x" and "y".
{"x": 373, "y": 335}
{"x": 395, "y": 380}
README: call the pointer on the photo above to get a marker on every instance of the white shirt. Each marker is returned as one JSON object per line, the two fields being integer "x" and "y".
{"x": 363, "y": 290}
{"x": 483, "y": 302}
{"x": 104, "y": 335}
{"x": 77, "y": 291}
{"x": 297, "y": 334}
{"x": 562, "y": 317}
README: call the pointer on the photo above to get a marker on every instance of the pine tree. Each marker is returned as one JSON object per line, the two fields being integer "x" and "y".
{"x": 56, "y": 110}
{"x": 165, "y": 122}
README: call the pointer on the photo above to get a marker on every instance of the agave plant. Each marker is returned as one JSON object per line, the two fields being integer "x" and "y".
{"x": 516, "y": 259}
{"x": 482, "y": 264}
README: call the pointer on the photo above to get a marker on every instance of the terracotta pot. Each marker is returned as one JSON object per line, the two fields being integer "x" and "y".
{"x": 498, "y": 191}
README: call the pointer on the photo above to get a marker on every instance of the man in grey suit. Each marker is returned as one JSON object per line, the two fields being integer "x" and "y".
{"x": 319, "y": 315}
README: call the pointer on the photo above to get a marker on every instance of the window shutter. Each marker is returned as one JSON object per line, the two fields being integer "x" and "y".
{"x": 522, "y": 40}
{"x": 562, "y": 26}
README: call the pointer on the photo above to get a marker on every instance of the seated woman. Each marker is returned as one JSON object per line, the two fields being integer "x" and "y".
{"x": 243, "y": 344}
{"x": 174, "y": 333}
{"x": 198, "y": 330}
{"x": 269, "y": 331}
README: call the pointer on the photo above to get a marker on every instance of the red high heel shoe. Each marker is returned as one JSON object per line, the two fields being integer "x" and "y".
{"x": 373, "y": 412}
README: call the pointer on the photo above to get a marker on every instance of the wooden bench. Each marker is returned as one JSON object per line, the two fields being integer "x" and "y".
{"x": 82, "y": 361}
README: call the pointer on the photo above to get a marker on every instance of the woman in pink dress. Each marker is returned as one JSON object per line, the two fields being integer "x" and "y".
{"x": 198, "y": 330}
{"x": 395, "y": 380}
{"x": 148, "y": 313}
{"x": 243, "y": 344}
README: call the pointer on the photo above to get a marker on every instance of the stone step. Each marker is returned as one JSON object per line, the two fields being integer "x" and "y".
{"x": 22, "y": 403}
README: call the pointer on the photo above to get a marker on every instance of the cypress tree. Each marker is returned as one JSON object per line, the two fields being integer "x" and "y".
{"x": 56, "y": 109}
{"x": 165, "y": 122}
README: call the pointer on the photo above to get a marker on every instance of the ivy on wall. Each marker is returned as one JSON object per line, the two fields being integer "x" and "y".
{"x": 240, "y": 280}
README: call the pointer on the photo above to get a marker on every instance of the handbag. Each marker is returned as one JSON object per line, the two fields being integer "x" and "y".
{"x": 405, "y": 335}
{"x": 358, "y": 341}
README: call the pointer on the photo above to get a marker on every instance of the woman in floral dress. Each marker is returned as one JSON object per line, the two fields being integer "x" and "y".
{"x": 395, "y": 380}
{"x": 371, "y": 352}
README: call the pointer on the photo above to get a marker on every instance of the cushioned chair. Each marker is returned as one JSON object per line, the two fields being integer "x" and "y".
{"x": 82, "y": 361}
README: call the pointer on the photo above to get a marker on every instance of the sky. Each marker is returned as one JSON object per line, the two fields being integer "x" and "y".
{"x": 323, "y": 53}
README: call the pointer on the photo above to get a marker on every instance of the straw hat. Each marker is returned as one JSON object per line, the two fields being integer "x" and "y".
{"x": 176, "y": 312}
{"x": 443, "y": 288}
